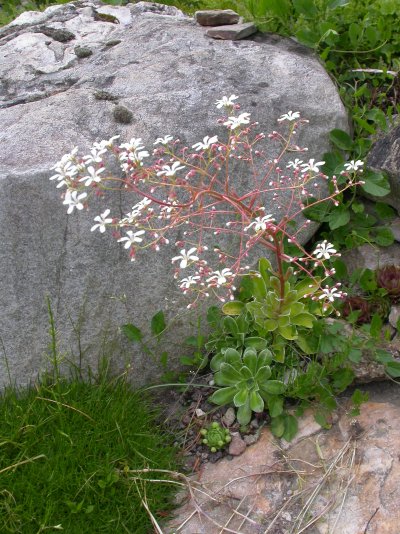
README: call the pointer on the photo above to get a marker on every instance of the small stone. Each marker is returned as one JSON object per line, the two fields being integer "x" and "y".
{"x": 286, "y": 516}
{"x": 394, "y": 316}
{"x": 199, "y": 412}
{"x": 229, "y": 417}
{"x": 233, "y": 32}
{"x": 250, "y": 439}
{"x": 82, "y": 51}
{"x": 237, "y": 446}
{"x": 216, "y": 17}
{"x": 254, "y": 423}
{"x": 122, "y": 115}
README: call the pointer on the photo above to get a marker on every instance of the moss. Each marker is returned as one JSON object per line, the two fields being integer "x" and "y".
{"x": 104, "y": 17}
{"x": 82, "y": 51}
{"x": 99, "y": 94}
{"x": 122, "y": 114}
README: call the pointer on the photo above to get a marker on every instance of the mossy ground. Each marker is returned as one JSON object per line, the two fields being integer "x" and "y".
{"x": 66, "y": 449}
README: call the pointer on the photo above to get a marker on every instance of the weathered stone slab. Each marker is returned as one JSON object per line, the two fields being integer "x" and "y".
{"x": 216, "y": 17}
{"x": 168, "y": 74}
{"x": 347, "y": 477}
{"x": 232, "y": 33}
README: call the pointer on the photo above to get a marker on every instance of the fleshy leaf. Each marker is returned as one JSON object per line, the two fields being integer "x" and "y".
{"x": 234, "y": 307}
{"x": 228, "y": 375}
{"x": 223, "y": 396}
{"x": 273, "y": 387}
{"x": 275, "y": 406}
{"x": 256, "y": 402}
{"x": 250, "y": 359}
{"x": 241, "y": 397}
{"x": 263, "y": 375}
{"x": 244, "y": 414}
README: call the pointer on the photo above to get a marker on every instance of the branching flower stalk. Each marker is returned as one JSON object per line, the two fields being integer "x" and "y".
{"x": 196, "y": 189}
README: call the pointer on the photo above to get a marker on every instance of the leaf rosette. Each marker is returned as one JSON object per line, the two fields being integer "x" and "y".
{"x": 246, "y": 382}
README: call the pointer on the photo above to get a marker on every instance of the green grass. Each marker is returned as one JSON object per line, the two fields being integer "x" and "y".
{"x": 66, "y": 449}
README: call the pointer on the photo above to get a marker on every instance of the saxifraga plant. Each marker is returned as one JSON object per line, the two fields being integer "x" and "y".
{"x": 195, "y": 190}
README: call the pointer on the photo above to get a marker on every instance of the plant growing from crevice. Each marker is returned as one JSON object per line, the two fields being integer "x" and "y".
{"x": 195, "y": 190}
{"x": 247, "y": 383}
{"x": 215, "y": 436}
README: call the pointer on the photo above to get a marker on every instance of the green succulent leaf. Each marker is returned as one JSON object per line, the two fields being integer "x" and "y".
{"x": 263, "y": 375}
{"x": 273, "y": 387}
{"x": 291, "y": 427}
{"x": 275, "y": 405}
{"x": 259, "y": 288}
{"x": 235, "y": 307}
{"x": 278, "y": 426}
{"x": 232, "y": 356}
{"x": 288, "y": 332}
{"x": 303, "y": 319}
{"x": 216, "y": 361}
{"x": 264, "y": 358}
{"x": 250, "y": 359}
{"x": 228, "y": 375}
{"x": 244, "y": 414}
{"x": 265, "y": 269}
{"x": 306, "y": 287}
{"x": 270, "y": 325}
{"x": 256, "y": 402}
{"x": 230, "y": 325}
{"x": 246, "y": 373}
{"x": 223, "y": 396}
{"x": 241, "y": 397}
{"x": 254, "y": 342}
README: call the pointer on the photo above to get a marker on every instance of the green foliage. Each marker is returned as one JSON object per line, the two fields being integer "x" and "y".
{"x": 67, "y": 449}
{"x": 215, "y": 437}
{"x": 246, "y": 382}
{"x": 259, "y": 369}
{"x": 279, "y": 311}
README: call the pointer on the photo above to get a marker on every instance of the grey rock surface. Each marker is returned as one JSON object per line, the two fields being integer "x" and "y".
{"x": 385, "y": 156}
{"x": 169, "y": 75}
{"x": 371, "y": 257}
{"x": 233, "y": 32}
{"x": 216, "y": 17}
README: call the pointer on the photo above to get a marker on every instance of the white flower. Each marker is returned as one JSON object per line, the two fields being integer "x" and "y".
{"x": 220, "y": 277}
{"x": 95, "y": 155}
{"x": 186, "y": 257}
{"x": 64, "y": 171}
{"x": 185, "y": 283}
{"x": 133, "y": 145}
{"x": 295, "y": 164}
{"x": 93, "y": 175}
{"x": 163, "y": 140}
{"x": 290, "y": 116}
{"x": 353, "y": 165}
{"x": 133, "y": 237}
{"x": 105, "y": 143}
{"x": 311, "y": 166}
{"x": 324, "y": 250}
{"x": 207, "y": 142}
{"x": 71, "y": 156}
{"x": 330, "y": 293}
{"x": 235, "y": 122}
{"x": 226, "y": 102}
{"x": 102, "y": 221}
{"x": 260, "y": 223}
{"x": 73, "y": 200}
{"x": 170, "y": 171}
